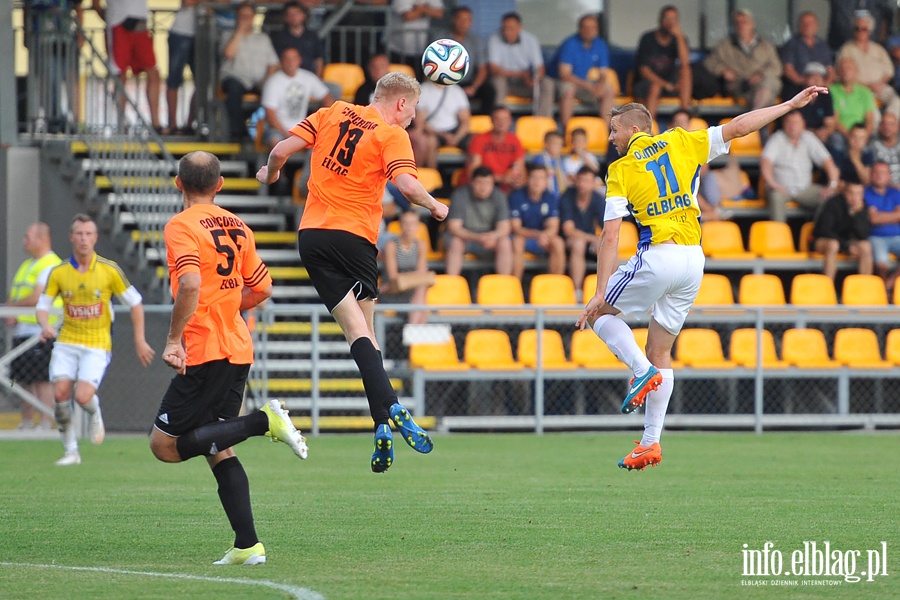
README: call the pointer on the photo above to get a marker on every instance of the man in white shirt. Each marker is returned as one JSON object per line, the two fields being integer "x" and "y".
{"x": 442, "y": 119}
{"x": 516, "y": 64}
{"x": 286, "y": 96}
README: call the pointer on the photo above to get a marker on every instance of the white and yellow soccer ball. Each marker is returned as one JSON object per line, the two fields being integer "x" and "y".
{"x": 445, "y": 62}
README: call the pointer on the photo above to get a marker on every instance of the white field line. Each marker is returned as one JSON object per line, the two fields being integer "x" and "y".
{"x": 299, "y": 593}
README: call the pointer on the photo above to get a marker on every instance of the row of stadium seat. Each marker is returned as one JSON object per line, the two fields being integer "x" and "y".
{"x": 491, "y": 350}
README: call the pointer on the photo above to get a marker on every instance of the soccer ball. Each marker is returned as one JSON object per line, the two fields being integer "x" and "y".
{"x": 445, "y": 62}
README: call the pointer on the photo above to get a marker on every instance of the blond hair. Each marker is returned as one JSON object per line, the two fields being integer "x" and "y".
{"x": 396, "y": 85}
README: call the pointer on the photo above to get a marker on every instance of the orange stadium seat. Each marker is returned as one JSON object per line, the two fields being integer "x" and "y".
{"x": 480, "y": 124}
{"x": 590, "y": 352}
{"x": 805, "y": 243}
{"x": 449, "y": 290}
{"x": 499, "y": 289}
{"x": 531, "y": 131}
{"x": 548, "y": 289}
{"x": 715, "y": 290}
{"x": 596, "y": 129}
{"x": 628, "y": 240}
{"x": 813, "y": 289}
{"x": 773, "y": 240}
{"x": 436, "y": 357}
{"x": 864, "y": 290}
{"x": 430, "y": 179}
{"x": 858, "y": 348}
{"x": 748, "y": 145}
{"x": 552, "y": 350}
{"x": 743, "y": 349}
{"x": 490, "y": 349}
{"x": 589, "y": 287}
{"x": 346, "y": 75}
{"x": 806, "y": 348}
{"x": 701, "y": 349}
{"x": 697, "y": 123}
{"x": 761, "y": 290}
{"x": 892, "y": 347}
{"x": 723, "y": 240}
{"x": 401, "y": 68}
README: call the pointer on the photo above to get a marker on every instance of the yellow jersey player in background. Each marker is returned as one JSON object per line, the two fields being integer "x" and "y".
{"x": 655, "y": 180}
{"x": 86, "y": 282}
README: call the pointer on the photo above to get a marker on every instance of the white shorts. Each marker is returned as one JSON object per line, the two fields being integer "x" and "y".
{"x": 78, "y": 363}
{"x": 662, "y": 280}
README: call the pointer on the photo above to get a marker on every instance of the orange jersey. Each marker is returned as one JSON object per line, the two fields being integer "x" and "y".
{"x": 354, "y": 154}
{"x": 212, "y": 242}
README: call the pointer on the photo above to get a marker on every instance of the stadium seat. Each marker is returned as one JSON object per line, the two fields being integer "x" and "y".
{"x": 864, "y": 290}
{"x": 697, "y": 123}
{"x": 548, "y": 289}
{"x": 858, "y": 348}
{"x": 628, "y": 240}
{"x": 748, "y": 145}
{"x": 480, "y": 124}
{"x": 451, "y": 290}
{"x": 892, "y": 347}
{"x": 499, "y": 289}
{"x": 743, "y": 349}
{"x": 590, "y": 352}
{"x": 597, "y": 133}
{"x": 346, "y": 75}
{"x": 813, "y": 289}
{"x": 761, "y": 290}
{"x": 640, "y": 337}
{"x": 421, "y": 234}
{"x": 552, "y": 350}
{"x": 589, "y": 287}
{"x": 723, "y": 240}
{"x": 436, "y": 357}
{"x": 430, "y": 179}
{"x": 807, "y": 349}
{"x": 701, "y": 349}
{"x": 805, "y": 243}
{"x": 611, "y": 76}
{"x": 489, "y": 349}
{"x": 773, "y": 240}
{"x": 531, "y": 131}
{"x": 715, "y": 290}
{"x": 401, "y": 68}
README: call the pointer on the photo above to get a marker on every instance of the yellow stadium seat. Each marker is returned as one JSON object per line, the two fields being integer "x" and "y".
{"x": 864, "y": 290}
{"x": 449, "y": 290}
{"x": 628, "y": 240}
{"x": 436, "y": 357}
{"x": 715, "y": 290}
{"x": 748, "y": 145}
{"x": 723, "y": 239}
{"x": 590, "y": 352}
{"x": 549, "y": 289}
{"x": 743, "y": 349}
{"x": 401, "y": 68}
{"x": 773, "y": 240}
{"x": 806, "y": 231}
{"x": 640, "y": 337}
{"x": 813, "y": 289}
{"x": 806, "y": 348}
{"x": 612, "y": 77}
{"x": 489, "y": 349}
{"x": 701, "y": 349}
{"x": 499, "y": 289}
{"x": 480, "y": 124}
{"x": 761, "y": 290}
{"x": 892, "y": 347}
{"x": 697, "y": 123}
{"x": 430, "y": 179}
{"x": 858, "y": 348}
{"x": 896, "y": 296}
{"x": 531, "y": 131}
{"x": 346, "y": 75}
{"x": 552, "y": 350}
{"x": 596, "y": 129}
{"x": 589, "y": 287}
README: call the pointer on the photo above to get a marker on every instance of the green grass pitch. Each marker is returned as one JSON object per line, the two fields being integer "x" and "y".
{"x": 483, "y": 516}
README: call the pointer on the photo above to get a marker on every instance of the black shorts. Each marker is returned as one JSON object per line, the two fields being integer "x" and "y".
{"x": 32, "y": 366}
{"x": 204, "y": 394}
{"x": 338, "y": 262}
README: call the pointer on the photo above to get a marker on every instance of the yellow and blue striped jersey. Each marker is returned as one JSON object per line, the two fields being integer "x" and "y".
{"x": 656, "y": 181}
{"x": 87, "y": 316}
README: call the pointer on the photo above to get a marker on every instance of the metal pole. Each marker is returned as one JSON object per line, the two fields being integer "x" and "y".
{"x": 759, "y": 381}
{"x": 539, "y": 375}
{"x": 314, "y": 372}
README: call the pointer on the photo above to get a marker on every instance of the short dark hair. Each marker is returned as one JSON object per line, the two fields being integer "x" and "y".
{"x": 80, "y": 218}
{"x": 552, "y": 134}
{"x": 578, "y": 131}
{"x": 482, "y": 171}
{"x": 199, "y": 172}
{"x": 460, "y": 9}
{"x": 666, "y": 9}
{"x": 511, "y": 15}
{"x": 535, "y": 166}
{"x": 584, "y": 169}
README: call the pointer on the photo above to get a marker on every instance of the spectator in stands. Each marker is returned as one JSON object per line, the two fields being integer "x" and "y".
{"x": 875, "y": 69}
{"x": 442, "y": 119}
{"x": 500, "y": 150}
{"x": 406, "y": 267}
{"x": 714, "y": 185}
{"x": 663, "y": 63}
{"x": 377, "y": 67}
{"x": 407, "y": 33}
{"x": 579, "y": 156}
{"x": 581, "y": 211}
{"x": 818, "y": 115}
{"x": 747, "y": 63}
{"x": 842, "y": 225}
{"x": 581, "y": 64}
{"x": 478, "y": 223}
{"x": 886, "y": 145}
{"x": 883, "y": 202}
{"x": 516, "y": 65}
{"x": 296, "y": 33}
{"x": 853, "y": 102}
{"x": 552, "y": 160}
{"x": 854, "y": 163}
{"x": 534, "y": 212}
{"x": 805, "y": 48}
{"x": 476, "y": 83}
{"x": 130, "y": 44}
{"x": 286, "y": 96}
{"x": 249, "y": 59}
{"x": 843, "y": 12}
{"x": 787, "y": 164}
{"x": 181, "y": 55}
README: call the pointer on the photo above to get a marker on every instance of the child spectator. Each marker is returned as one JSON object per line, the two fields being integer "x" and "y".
{"x": 579, "y": 156}
{"x": 552, "y": 160}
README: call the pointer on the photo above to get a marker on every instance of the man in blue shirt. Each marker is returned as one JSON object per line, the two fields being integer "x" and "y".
{"x": 883, "y": 202}
{"x": 581, "y": 211}
{"x": 576, "y": 57}
{"x": 535, "y": 223}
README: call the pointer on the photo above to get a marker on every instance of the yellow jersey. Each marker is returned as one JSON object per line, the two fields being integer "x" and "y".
{"x": 87, "y": 313}
{"x": 656, "y": 181}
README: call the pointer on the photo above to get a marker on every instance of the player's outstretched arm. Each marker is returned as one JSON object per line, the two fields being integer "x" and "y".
{"x": 143, "y": 350}
{"x": 282, "y": 151}
{"x": 185, "y": 305}
{"x": 416, "y": 193}
{"x": 755, "y": 120}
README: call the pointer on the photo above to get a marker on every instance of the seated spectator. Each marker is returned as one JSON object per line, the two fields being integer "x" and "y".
{"x": 406, "y": 268}
{"x": 787, "y": 163}
{"x": 843, "y": 225}
{"x": 478, "y": 223}
{"x": 747, "y": 63}
{"x": 249, "y": 59}
{"x": 377, "y": 67}
{"x": 442, "y": 119}
{"x": 576, "y": 56}
{"x": 579, "y": 156}
{"x": 286, "y": 96}
{"x": 819, "y": 115}
{"x": 886, "y": 145}
{"x": 181, "y": 55}
{"x": 883, "y": 202}
{"x": 296, "y": 33}
{"x": 875, "y": 69}
{"x": 534, "y": 212}
{"x": 853, "y": 102}
{"x": 581, "y": 211}
{"x": 663, "y": 63}
{"x": 407, "y": 31}
{"x": 500, "y": 151}
{"x": 854, "y": 163}
{"x": 552, "y": 160}
{"x": 805, "y": 48}
{"x": 516, "y": 65}
{"x": 476, "y": 84}
{"x": 843, "y": 13}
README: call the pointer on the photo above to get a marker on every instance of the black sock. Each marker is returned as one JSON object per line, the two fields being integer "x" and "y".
{"x": 234, "y": 493}
{"x": 379, "y": 392}
{"x": 212, "y": 438}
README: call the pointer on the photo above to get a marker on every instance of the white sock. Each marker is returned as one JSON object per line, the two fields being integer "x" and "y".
{"x": 69, "y": 440}
{"x": 656, "y": 406}
{"x": 91, "y": 406}
{"x": 620, "y": 339}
